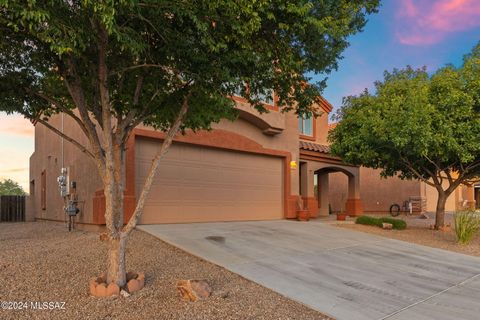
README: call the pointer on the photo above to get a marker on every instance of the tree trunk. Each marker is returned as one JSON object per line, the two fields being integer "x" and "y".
{"x": 114, "y": 206}
{"x": 113, "y": 189}
{"x": 116, "y": 271}
{"x": 440, "y": 212}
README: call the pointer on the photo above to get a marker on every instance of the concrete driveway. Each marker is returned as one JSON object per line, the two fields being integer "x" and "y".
{"x": 343, "y": 273}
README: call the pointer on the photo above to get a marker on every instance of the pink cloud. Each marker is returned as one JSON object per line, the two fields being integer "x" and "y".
{"x": 15, "y": 125}
{"x": 408, "y": 8}
{"x": 425, "y": 22}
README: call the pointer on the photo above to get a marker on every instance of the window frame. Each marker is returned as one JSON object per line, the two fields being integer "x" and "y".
{"x": 303, "y": 135}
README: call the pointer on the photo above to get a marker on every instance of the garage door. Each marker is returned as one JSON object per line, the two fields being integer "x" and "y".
{"x": 197, "y": 184}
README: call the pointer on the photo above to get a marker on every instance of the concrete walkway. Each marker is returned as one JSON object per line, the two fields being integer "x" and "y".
{"x": 343, "y": 273}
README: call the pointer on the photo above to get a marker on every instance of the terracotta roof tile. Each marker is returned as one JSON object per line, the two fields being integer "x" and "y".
{"x": 314, "y": 147}
{"x": 332, "y": 125}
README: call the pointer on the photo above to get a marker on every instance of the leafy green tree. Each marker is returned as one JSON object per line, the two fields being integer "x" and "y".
{"x": 9, "y": 187}
{"x": 417, "y": 126}
{"x": 173, "y": 65}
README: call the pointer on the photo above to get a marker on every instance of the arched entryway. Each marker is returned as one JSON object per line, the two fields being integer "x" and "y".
{"x": 314, "y": 187}
{"x": 317, "y": 163}
{"x": 350, "y": 198}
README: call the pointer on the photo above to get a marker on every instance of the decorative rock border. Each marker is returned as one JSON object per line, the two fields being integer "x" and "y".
{"x": 99, "y": 288}
{"x": 135, "y": 281}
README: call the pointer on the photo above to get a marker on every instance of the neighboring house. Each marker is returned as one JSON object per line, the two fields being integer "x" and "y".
{"x": 254, "y": 168}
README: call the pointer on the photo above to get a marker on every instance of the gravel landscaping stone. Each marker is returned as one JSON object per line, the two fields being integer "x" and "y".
{"x": 43, "y": 262}
{"x": 425, "y": 236}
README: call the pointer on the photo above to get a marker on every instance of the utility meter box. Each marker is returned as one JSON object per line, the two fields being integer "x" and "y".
{"x": 64, "y": 183}
{"x": 71, "y": 209}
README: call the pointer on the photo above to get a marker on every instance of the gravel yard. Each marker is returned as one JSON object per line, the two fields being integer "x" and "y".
{"x": 43, "y": 262}
{"x": 423, "y": 235}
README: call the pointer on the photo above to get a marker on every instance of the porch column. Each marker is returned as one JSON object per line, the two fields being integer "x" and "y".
{"x": 304, "y": 180}
{"x": 307, "y": 189}
{"x": 354, "y": 206}
{"x": 323, "y": 210}
{"x": 471, "y": 197}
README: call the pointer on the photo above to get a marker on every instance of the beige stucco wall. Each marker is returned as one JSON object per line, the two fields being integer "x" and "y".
{"x": 321, "y": 124}
{"x": 48, "y": 156}
{"x": 453, "y": 201}
{"x": 338, "y": 190}
{"x": 377, "y": 193}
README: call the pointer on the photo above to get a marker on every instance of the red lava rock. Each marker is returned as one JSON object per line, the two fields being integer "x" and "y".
{"x": 194, "y": 290}
{"x": 92, "y": 284}
{"x": 131, "y": 275}
{"x": 141, "y": 279}
{"x": 113, "y": 290}
{"x": 133, "y": 285}
{"x": 101, "y": 290}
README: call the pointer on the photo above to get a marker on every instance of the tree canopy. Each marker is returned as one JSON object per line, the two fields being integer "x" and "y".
{"x": 416, "y": 125}
{"x": 173, "y": 65}
{"x": 9, "y": 187}
{"x": 157, "y": 51}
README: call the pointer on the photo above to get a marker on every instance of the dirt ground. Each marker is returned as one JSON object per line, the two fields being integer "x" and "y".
{"x": 43, "y": 262}
{"x": 418, "y": 232}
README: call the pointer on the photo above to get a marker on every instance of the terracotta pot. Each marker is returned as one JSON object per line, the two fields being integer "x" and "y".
{"x": 303, "y": 215}
{"x": 341, "y": 216}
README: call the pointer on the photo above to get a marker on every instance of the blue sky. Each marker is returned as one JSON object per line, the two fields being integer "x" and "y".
{"x": 427, "y": 33}
{"x": 405, "y": 32}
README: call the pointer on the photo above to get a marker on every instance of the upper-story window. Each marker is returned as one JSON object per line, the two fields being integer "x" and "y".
{"x": 305, "y": 126}
{"x": 266, "y": 98}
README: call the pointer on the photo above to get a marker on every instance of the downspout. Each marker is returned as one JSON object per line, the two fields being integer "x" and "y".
{"x": 62, "y": 142}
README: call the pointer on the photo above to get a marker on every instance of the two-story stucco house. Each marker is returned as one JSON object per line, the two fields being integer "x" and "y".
{"x": 254, "y": 168}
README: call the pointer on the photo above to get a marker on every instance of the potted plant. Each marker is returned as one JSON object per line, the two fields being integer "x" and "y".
{"x": 342, "y": 216}
{"x": 302, "y": 213}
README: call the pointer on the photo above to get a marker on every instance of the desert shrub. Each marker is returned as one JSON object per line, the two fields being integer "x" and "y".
{"x": 467, "y": 224}
{"x": 372, "y": 221}
{"x": 369, "y": 221}
{"x": 396, "y": 223}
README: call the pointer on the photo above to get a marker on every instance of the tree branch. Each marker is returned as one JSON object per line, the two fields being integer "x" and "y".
{"x": 138, "y": 90}
{"x": 449, "y": 176}
{"x": 155, "y": 165}
{"x": 110, "y": 178}
{"x": 61, "y": 107}
{"x": 438, "y": 180}
{"x": 434, "y": 163}
{"x": 69, "y": 139}
{"x": 168, "y": 70}
{"x": 76, "y": 92}
{"x": 415, "y": 172}
{"x": 472, "y": 166}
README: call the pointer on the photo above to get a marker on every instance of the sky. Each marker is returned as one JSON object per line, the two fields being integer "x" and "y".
{"x": 419, "y": 33}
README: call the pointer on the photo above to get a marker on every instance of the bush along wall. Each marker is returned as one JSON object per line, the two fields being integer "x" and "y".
{"x": 372, "y": 221}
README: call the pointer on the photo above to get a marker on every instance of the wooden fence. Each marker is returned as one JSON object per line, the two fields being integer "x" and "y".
{"x": 12, "y": 208}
